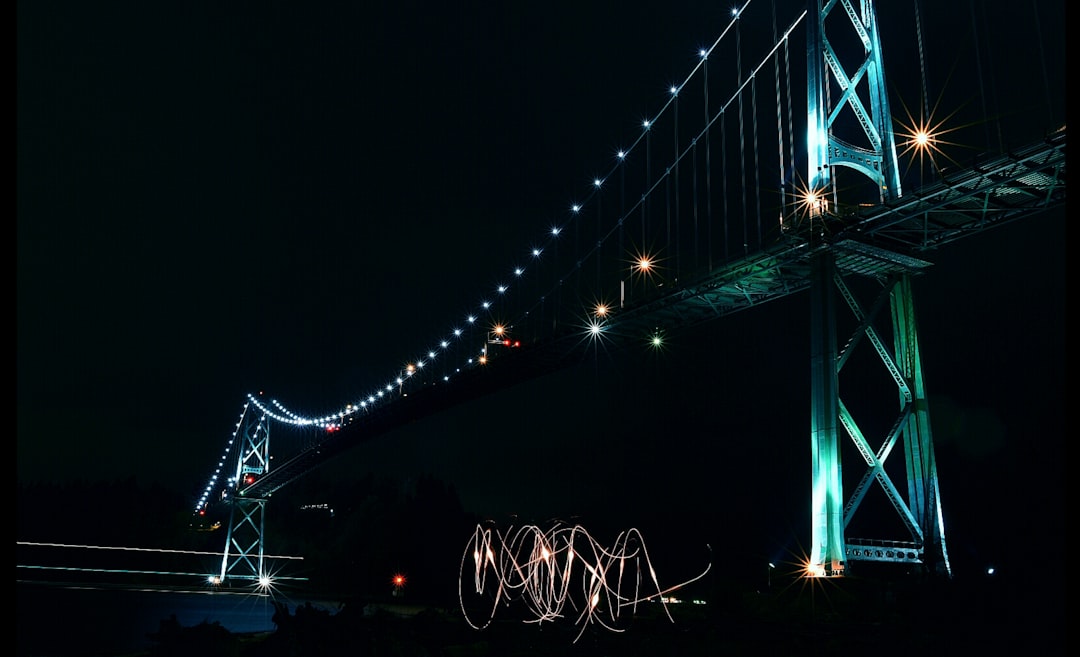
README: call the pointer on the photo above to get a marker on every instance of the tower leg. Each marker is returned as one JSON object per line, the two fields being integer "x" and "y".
{"x": 924, "y": 501}
{"x": 827, "y": 504}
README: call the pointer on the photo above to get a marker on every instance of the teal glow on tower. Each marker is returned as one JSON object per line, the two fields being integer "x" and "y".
{"x": 847, "y": 102}
{"x": 837, "y": 101}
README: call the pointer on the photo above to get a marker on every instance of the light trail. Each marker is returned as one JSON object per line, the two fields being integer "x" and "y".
{"x": 135, "y": 549}
{"x": 123, "y": 571}
{"x": 38, "y": 552}
{"x": 541, "y": 569}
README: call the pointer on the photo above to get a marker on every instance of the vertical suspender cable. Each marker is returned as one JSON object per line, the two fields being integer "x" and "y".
{"x": 742, "y": 133}
{"x": 790, "y": 124}
{"x": 599, "y": 240}
{"x": 724, "y": 177}
{"x": 678, "y": 157}
{"x": 622, "y": 205}
{"x": 667, "y": 212}
{"x": 645, "y": 197}
{"x": 557, "y": 293}
{"x": 924, "y": 109}
{"x": 708, "y": 171}
{"x": 697, "y": 260}
{"x": 924, "y": 105}
{"x": 757, "y": 165}
{"x": 779, "y": 119}
{"x": 1042, "y": 59}
{"x": 982, "y": 93}
{"x": 573, "y": 288}
{"x": 978, "y": 68}
{"x": 667, "y": 189}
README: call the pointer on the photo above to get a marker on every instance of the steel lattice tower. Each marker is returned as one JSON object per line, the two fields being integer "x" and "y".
{"x": 243, "y": 557}
{"x": 836, "y": 102}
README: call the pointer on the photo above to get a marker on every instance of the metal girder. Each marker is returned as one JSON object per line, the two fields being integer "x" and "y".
{"x": 878, "y": 243}
{"x": 902, "y": 552}
{"x": 993, "y": 192}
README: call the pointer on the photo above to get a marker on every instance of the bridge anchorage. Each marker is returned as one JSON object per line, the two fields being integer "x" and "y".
{"x": 854, "y": 246}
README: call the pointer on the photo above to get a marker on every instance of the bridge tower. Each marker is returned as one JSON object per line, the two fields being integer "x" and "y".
{"x": 837, "y": 115}
{"x": 243, "y": 557}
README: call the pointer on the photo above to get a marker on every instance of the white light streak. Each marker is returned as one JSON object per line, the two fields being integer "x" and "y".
{"x": 536, "y": 568}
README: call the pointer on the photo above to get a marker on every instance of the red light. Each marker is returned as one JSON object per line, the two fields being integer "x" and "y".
{"x": 399, "y": 580}
{"x": 517, "y": 343}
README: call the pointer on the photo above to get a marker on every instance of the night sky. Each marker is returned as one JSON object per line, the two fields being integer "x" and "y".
{"x": 213, "y": 202}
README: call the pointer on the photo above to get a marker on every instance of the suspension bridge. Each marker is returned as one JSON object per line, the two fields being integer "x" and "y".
{"x": 784, "y": 162}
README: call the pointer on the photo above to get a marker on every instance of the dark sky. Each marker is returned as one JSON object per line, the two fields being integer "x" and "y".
{"x": 214, "y": 202}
